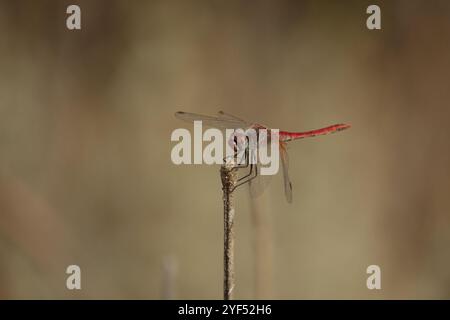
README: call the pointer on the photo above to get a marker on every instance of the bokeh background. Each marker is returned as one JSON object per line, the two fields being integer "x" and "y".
{"x": 85, "y": 170}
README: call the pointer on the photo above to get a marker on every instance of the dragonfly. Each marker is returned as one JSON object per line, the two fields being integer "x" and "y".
{"x": 225, "y": 120}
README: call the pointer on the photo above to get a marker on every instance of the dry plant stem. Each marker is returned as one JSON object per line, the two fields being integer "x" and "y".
{"x": 228, "y": 175}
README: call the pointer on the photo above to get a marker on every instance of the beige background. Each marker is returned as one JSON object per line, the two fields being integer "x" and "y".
{"x": 85, "y": 170}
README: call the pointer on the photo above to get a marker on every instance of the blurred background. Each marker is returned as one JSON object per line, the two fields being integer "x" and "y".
{"x": 86, "y": 176}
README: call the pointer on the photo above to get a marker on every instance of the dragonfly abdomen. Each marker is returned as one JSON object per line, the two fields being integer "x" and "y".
{"x": 288, "y": 136}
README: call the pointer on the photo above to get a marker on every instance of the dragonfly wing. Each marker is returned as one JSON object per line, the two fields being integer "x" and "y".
{"x": 228, "y": 116}
{"x": 211, "y": 121}
{"x": 285, "y": 164}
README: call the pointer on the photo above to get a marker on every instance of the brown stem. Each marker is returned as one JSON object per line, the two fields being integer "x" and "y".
{"x": 229, "y": 177}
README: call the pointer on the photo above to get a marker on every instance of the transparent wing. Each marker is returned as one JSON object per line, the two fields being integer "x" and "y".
{"x": 222, "y": 121}
{"x": 228, "y": 116}
{"x": 285, "y": 164}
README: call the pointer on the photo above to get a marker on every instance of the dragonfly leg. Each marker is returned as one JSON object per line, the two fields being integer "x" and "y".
{"x": 253, "y": 172}
{"x": 247, "y": 175}
{"x": 246, "y": 178}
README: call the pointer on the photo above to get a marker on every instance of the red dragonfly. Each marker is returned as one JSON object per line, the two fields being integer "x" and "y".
{"x": 227, "y": 121}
